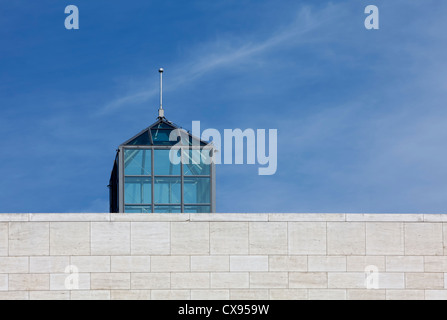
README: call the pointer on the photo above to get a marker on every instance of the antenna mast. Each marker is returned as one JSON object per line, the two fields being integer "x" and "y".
{"x": 161, "y": 112}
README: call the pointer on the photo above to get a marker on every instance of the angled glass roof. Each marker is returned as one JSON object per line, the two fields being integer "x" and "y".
{"x": 158, "y": 135}
{"x": 142, "y": 139}
{"x": 162, "y": 125}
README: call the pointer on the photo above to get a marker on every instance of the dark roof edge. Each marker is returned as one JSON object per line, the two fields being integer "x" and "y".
{"x": 169, "y": 123}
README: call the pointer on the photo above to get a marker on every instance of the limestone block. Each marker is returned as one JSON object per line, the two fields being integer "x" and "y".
{"x": 29, "y": 282}
{"x": 359, "y": 263}
{"x": 130, "y": 294}
{"x": 435, "y": 263}
{"x": 29, "y": 238}
{"x": 346, "y": 238}
{"x": 130, "y": 264}
{"x": 151, "y": 238}
{"x": 229, "y": 217}
{"x": 210, "y": 263}
{"x": 10, "y": 217}
{"x": 153, "y": 217}
{"x": 226, "y": 280}
{"x": 351, "y": 280}
{"x": 366, "y": 294}
{"x": 3, "y": 239}
{"x": 108, "y": 281}
{"x": 327, "y": 294}
{"x": 70, "y": 238}
{"x": 3, "y": 282}
{"x": 405, "y": 264}
{"x": 91, "y": 263}
{"x": 288, "y": 294}
{"x": 190, "y": 238}
{"x": 435, "y": 218}
{"x": 436, "y": 295}
{"x": 90, "y": 295}
{"x": 444, "y": 231}
{"x": 269, "y": 280}
{"x": 14, "y": 295}
{"x": 195, "y": 280}
{"x": 423, "y": 239}
{"x": 308, "y": 280}
{"x": 288, "y": 263}
{"x": 382, "y": 217}
{"x": 69, "y": 217}
{"x": 49, "y": 295}
{"x": 170, "y": 295}
{"x": 249, "y": 294}
{"x": 326, "y": 263}
{"x": 229, "y": 237}
{"x": 268, "y": 237}
{"x": 406, "y": 294}
{"x": 48, "y": 264}
{"x": 142, "y": 281}
{"x": 384, "y": 238}
{"x": 63, "y": 281}
{"x": 110, "y": 238}
{"x": 249, "y": 263}
{"x": 394, "y": 280}
{"x": 170, "y": 263}
{"x": 310, "y": 217}
{"x": 14, "y": 265}
{"x": 307, "y": 238}
{"x": 210, "y": 294}
{"x": 424, "y": 280}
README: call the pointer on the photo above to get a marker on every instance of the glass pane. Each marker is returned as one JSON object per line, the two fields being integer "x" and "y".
{"x": 196, "y": 190}
{"x": 194, "y": 162}
{"x": 137, "y": 162}
{"x": 161, "y": 137}
{"x": 142, "y": 140}
{"x": 162, "y": 125}
{"x": 137, "y": 209}
{"x": 137, "y": 190}
{"x": 167, "y": 209}
{"x": 196, "y": 141}
{"x": 167, "y": 190}
{"x": 162, "y": 164}
{"x": 197, "y": 209}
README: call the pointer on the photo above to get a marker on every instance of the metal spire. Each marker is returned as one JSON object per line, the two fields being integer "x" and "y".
{"x": 161, "y": 112}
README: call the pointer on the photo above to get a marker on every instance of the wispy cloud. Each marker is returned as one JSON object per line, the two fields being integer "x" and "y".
{"x": 132, "y": 98}
{"x": 233, "y": 51}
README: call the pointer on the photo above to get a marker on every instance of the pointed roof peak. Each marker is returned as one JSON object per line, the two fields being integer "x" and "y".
{"x": 157, "y": 134}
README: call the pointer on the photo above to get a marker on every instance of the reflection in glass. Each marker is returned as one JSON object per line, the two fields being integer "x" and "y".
{"x": 142, "y": 140}
{"x": 196, "y": 162}
{"x": 167, "y": 190}
{"x": 163, "y": 165}
{"x": 167, "y": 209}
{"x": 137, "y": 209}
{"x": 137, "y": 162}
{"x": 197, "y": 209}
{"x": 137, "y": 190}
{"x": 196, "y": 190}
{"x": 161, "y": 137}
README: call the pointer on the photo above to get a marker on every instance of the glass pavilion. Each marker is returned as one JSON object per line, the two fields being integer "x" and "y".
{"x": 145, "y": 180}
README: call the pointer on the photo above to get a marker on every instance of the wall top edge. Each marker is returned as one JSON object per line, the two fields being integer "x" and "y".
{"x": 222, "y": 217}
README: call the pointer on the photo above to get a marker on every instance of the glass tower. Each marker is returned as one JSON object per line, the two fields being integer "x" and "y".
{"x": 155, "y": 174}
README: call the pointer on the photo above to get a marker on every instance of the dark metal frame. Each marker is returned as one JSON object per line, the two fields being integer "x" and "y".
{"x": 121, "y": 176}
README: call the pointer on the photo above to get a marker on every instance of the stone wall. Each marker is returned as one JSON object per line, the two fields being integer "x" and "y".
{"x": 223, "y": 256}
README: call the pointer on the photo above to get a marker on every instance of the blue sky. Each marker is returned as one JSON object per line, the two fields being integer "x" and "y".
{"x": 361, "y": 114}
